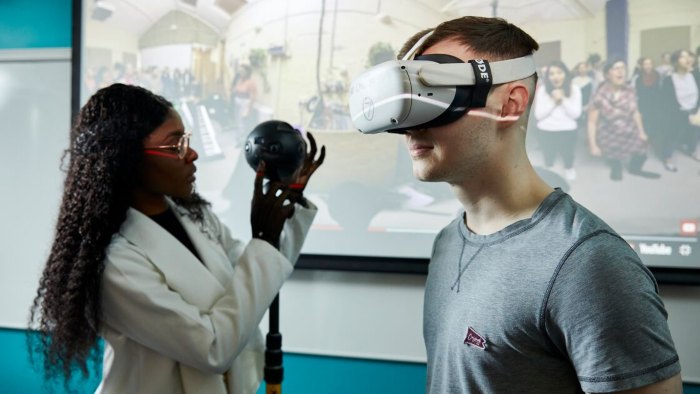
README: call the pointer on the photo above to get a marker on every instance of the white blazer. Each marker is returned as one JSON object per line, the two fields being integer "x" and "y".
{"x": 174, "y": 325}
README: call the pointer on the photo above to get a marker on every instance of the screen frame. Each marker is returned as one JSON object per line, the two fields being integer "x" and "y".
{"x": 387, "y": 265}
{"x": 663, "y": 275}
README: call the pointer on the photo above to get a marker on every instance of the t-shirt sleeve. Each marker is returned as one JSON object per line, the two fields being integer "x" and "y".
{"x": 604, "y": 313}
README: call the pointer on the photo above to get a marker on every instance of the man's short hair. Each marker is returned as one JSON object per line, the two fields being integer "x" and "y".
{"x": 491, "y": 38}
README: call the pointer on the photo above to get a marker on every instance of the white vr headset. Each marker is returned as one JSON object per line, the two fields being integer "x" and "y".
{"x": 428, "y": 91}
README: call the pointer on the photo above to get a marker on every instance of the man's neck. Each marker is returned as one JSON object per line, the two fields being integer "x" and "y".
{"x": 491, "y": 206}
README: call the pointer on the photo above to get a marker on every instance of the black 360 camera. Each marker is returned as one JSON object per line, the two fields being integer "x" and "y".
{"x": 280, "y": 145}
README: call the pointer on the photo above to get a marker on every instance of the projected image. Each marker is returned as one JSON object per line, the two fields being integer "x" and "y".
{"x": 228, "y": 65}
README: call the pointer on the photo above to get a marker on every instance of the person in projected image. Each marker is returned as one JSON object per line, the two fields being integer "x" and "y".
{"x": 557, "y": 108}
{"x": 244, "y": 94}
{"x": 140, "y": 260}
{"x": 665, "y": 67}
{"x": 647, "y": 85}
{"x": 680, "y": 93}
{"x": 695, "y": 119}
{"x": 527, "y": 290}
{"x": 581, "y": 77}
{"x": 615, "y": 128}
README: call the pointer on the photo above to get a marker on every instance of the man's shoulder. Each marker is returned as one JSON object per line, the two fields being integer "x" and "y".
{"x": 453, "y": 226}
{"x": 595, "y": 245}
{"x": 581, "y": 222}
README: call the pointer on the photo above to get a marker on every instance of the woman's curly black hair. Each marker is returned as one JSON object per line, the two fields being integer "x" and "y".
{"x": 105, "y": 155}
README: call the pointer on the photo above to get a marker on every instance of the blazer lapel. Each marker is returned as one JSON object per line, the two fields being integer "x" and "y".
{"x": 183, "y": 272}
{"x": 210, "y": 250}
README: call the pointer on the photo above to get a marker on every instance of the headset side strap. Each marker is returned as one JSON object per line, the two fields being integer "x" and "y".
{"x": 513, "y": 69}
{"x": 452, "y": 74}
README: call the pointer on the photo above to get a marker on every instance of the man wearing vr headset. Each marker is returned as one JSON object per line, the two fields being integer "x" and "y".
{"x": 527, "y": 290}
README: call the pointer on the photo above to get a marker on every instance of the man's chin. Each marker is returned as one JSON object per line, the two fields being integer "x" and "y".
{"x": 424, "y": 176}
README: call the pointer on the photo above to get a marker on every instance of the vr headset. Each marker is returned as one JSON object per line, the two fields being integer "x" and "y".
{"x": 428, "y": 91}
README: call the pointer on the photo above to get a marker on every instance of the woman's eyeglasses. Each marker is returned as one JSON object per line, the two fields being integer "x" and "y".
{"x": 180, "y": 150}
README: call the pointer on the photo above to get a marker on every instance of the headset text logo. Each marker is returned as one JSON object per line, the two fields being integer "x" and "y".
{"x": 482, "y": 67}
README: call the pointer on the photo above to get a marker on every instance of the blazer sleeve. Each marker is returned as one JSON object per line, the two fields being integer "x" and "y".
{"x": 138, "y": 302}
{"x": 295, "y": 231}
{"x": 291, "y": 240}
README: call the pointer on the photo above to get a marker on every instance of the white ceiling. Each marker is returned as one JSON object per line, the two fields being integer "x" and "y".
{"x": 140, "y": 15}
{"x": 525, "y": 11}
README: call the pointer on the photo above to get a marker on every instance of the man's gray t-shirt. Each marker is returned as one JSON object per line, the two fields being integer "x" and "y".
{"x": 557, "y": 303}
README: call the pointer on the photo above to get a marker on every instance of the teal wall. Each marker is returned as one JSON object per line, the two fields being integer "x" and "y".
{"x": 35, "y": 24}
{"x": 47, "y": 24}
{"x": 304, "y": 374}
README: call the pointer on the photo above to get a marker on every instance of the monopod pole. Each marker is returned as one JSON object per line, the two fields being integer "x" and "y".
{"x": 274, "y": 372}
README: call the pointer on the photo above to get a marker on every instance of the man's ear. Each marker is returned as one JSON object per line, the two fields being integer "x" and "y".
{"x": 516, "y": 98}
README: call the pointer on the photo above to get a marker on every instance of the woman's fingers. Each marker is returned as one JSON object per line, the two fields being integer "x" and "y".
{"x": 259, "y": 175}
{"x": 312, "y": 142}
{"x": 321, "y": 157}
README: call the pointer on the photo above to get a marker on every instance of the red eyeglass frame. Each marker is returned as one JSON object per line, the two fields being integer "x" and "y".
{"x": 182, "y": 148}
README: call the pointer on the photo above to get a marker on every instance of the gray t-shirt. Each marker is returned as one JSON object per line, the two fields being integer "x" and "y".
{"x": 557, "y": 303}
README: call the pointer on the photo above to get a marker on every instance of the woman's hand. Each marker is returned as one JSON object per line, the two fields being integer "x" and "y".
{"x": 301, "y": 177}
{"x": 595, "y": 150}
{"x": 269, "y": 210}
{"x": 557, "y": 95}
{"x": 695, "y": 119}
